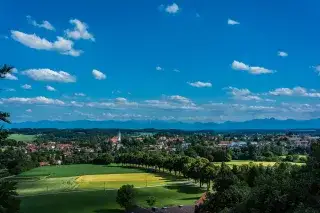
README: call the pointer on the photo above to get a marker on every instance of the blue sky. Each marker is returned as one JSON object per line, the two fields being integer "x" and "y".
{"x": 190, "y": 61}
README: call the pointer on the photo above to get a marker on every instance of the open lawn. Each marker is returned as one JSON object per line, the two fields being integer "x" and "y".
{"x": 64, "y": 178}
{"x": 105, "y": 201}
{"x": 77, "y": 170}
{"x": 115, "y": 181}
{"x": 44, "y": 185}
{"x": 21, "y": 137}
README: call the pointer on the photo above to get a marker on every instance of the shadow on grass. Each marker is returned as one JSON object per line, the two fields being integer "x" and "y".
{"x": 187, "y": 189}
{"x": 108, "y": 211}
{"x": 191, "y": 198}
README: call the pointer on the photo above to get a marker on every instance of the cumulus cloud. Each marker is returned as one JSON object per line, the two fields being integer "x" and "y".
{"x": 242, "y": 94}
{"x": 50, "y": 88}
{"x": 168, "y": 104}
{"x": 80, "y": 31}
{"x": 172, "y": 9}
{"x": 158, "y": 68}
{"x": 98, "y": 75}
{"x": 44, "y": 24}
{"x": 316, "y": 69}
{"x": 10, "y": 76}
{"x": 176, "y": 70}
{"x": 296, "y": 91}
{"x": 49, "y": 75}
{"x": 232, "y": 22}
{"x": 61, "y": 45}
{"x": 282, "y": 54}
{"x": 80, "y": 94}
{"x": 124, "y": 101}
{"x": 35, "y": 100}
{"x": 29, "y": 110}
{"x": 237, "y": 65}
{"x": 26, "y": 86}
{"x": 118, "y": 103}
{"x": 200, "y": 84}
{"x": 179, "y": 98}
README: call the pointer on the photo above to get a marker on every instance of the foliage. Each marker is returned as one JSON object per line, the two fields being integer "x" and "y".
{"x": 282, "y": 188}
{"x": 126, "y": 197}
{"x": 151, "y": 201}
{"x": 104, "y": 159}
{"x": 104, "y": 201}
{"x": 9, "y": 203}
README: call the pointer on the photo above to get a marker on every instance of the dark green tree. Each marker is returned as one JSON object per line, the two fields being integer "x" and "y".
{"x": 126, "y": 197}
{"x": 9, "y": 202}
{"x": 151, "y": 200}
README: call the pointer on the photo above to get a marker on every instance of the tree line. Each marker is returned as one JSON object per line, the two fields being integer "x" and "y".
{"x": 248, "y": 188}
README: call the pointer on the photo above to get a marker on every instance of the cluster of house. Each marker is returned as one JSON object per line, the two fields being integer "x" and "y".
{"x": 295, "y": 140}
{"x": 302, "y": 141}
{"x": 65, "y": 148}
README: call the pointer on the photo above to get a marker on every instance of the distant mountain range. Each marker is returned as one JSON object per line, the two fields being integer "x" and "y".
{"x": 262, "y": 124}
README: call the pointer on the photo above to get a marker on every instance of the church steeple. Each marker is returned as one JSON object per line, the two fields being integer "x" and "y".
{"x": 119, "y": 136}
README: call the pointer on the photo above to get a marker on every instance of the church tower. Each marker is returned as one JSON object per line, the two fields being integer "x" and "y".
{"x": 119, "y": 136}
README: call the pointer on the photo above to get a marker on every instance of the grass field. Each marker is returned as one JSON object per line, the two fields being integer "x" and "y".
{"x": 105, "y": 202}
{"x": 21, "y": 137}
{"x": 77, "y": 170}
{"x": 64, "y": 178}
{"x": 65, "y": 189}
{"x": 115, "y": 181}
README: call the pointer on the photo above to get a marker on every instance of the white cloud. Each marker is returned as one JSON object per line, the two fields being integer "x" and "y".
{"x": 124, "y": 101}
{"x": 316, "y": 69}
{"x": 80, "y": 94}
{"x": 168, "y": 104}
{"x": 176, "y": 70}
{"x": 282, "y": 54}
{"x": 80, "y": 31}
{"x": 44, "y": 24}
{"x": 9, "y": 76}
{"x": 26, "y": 86}
{"x": 76, "y": 104}
{"x": 200, "y": 84}
{"x": 296, "y": 91}
{"x": 243, "y": 94}
{"x": 172, "y": 9}
{"x": 50, "y": 88}
{"x": 232, "y": 22}
{"x": 49, "y": 75}
{"x": 36, "y": 100}
{"x": 237, "y": 65}
{"x": 61, "y": 45}
{"x": 98, "y": 75}
{"x": 29, "y": 110}
{"x": 178, "y": 98}
{"x": 158, "y": 68}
